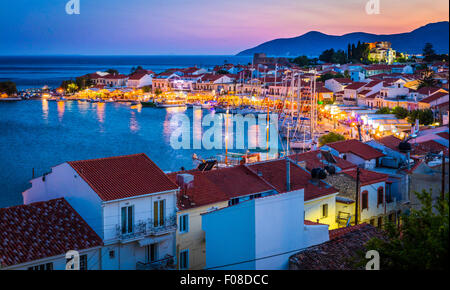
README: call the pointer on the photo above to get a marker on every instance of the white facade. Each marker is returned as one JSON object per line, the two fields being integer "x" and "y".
{"x": 146, "y": 80}
{"x": 122, "y": 250}
{"x": 259, "y": 234}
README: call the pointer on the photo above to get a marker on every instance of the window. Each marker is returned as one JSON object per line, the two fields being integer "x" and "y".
{"x": 112, "y": 254}
{"x": 184, "y": 223}
{"x": 42, "y": 267}
{"x": 83, "y": 263}
{"x": 159, "y": 209}
{"x": 372, "y": 222}
{"x": 127, "y": 220}
{"x": 150, "y": 253}
{"x": 380, "y": 196}
{"x": 365, "y": 200}
{"x": 233, "y": 201}
{"x": 380, "y": 222}
{"x": 389, "y": 198}
{"x": 184, "y": 260}
{"x": 325, "y": 210}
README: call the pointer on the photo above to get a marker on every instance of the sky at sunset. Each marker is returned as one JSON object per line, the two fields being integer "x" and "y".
{"x": 34, "y": 27}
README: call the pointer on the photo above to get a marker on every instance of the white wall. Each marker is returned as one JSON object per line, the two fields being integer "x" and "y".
{"x": 65, "y": 182}
{"x": 373, "y": 210}
{"x": 279, "y": 228}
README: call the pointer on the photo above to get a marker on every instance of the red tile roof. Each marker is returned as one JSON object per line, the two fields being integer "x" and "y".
{"x": 434, "y": 97}
{"x": 444, "y": 135}
{"x": 343, "y": 80}
{"x": 219, "y": 185}
{"x": 274, "y": 172}
{"x": 310, "y": 223}
{"x": 390, "y": 141}
{"x": 431, "y": 146}
{"x": 355, "y": 86}
{"x": 338, "y": 253}
{"x": 123, "y": 176}
{"x": 356, "y": 147}
{"x": 312, "y": 160}
{"x": 138, "y": 75}
{"x": 42, "y": 230}
{"x": 367, "y": 177}
{"x": 428, "y": 90}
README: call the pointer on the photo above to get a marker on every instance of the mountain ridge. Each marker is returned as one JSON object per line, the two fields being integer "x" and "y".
{"x": 313, "y": 43}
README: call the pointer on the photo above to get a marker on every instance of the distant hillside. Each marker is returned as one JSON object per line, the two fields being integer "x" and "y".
{"x": 314, "y": 43}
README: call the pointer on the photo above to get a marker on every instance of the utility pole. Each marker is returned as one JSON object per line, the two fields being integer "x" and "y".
{"x": 357, "y": 196}
{"x": 443, "y": 176}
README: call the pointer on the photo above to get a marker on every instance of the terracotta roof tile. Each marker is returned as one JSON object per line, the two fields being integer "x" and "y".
{"x": 356, "y": 147}
{"x": 312, "y": 160}
{"x": 123, "y": 176}
{"x": 274, "y": 172}
{"x": 337, "y": 253}
{"x": 41, "y": 230}
{"x": 367, "y": 177}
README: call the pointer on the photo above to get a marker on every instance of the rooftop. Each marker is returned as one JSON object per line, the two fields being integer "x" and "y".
{"x": 41, "y": 230}
{"x": 356, "y": 147}
{"x": 337, "y": 253}
{"x": 123, "y": 176}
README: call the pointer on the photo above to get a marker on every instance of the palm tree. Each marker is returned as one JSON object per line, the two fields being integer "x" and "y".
{"x": 427, "y": 79}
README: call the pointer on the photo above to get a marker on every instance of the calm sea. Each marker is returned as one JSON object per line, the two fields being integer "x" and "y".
{"x": 37, "y": 71}
{"x": 41, "y": 134}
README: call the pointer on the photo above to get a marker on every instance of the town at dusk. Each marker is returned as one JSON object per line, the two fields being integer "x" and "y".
{"x": 224, "y": 135}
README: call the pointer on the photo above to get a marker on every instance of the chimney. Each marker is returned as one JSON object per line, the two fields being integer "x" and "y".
{"x": 288, "y": 175}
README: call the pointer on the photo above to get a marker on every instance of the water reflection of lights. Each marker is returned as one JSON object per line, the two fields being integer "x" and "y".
{"x": 175, "y": 110}
{"x": 101, "y": 112}
{"x": 45, "y": 109}
{"x": 83, "y": 107}
{"x": 197, "y": 126}
{"x": 61, "y": 105}
{"x": 134, "y": 125}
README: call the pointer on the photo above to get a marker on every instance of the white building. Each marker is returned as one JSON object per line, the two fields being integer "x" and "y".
{"x": 140, "y": 79}
{"x": 337, "y": 84}
{"x": 259, "y": 234}
{"x": 356, "y": 152}
{"x": 128, "y": 201}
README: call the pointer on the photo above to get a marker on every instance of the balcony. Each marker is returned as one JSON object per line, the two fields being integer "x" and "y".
{"x": 147, "y": 228}
{"x": 168, "y": 263}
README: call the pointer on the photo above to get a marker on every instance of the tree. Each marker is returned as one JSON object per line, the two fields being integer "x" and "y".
{"x": 427, "y": 79}
{"x": 158, "y": 91}
{"x": 428, "y": 52}
{"x": 222, "y": 72}
{"x": 383, "y": 110}
{"x": 302, "y": 61}
{"x": 112, "y": 71}
{"x": 327, "y": 55}
{"x": 400, "y": 112}
{"x": 328, "y": 76}
{"x": 419, "y": 243}
{"x": 347, "y": 74}
{"x": 425, "y": 117}
{"x": 330, "y": 138}
{"x": 8, "y": 88}
{"x": 135, "y": 69}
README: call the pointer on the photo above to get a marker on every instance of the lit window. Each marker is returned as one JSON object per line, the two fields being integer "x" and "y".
{"x": 325, "y": 210}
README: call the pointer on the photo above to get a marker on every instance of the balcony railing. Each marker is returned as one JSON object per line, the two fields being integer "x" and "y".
{"x": 168, "y": 263}
{"x": 147, "y": 228}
